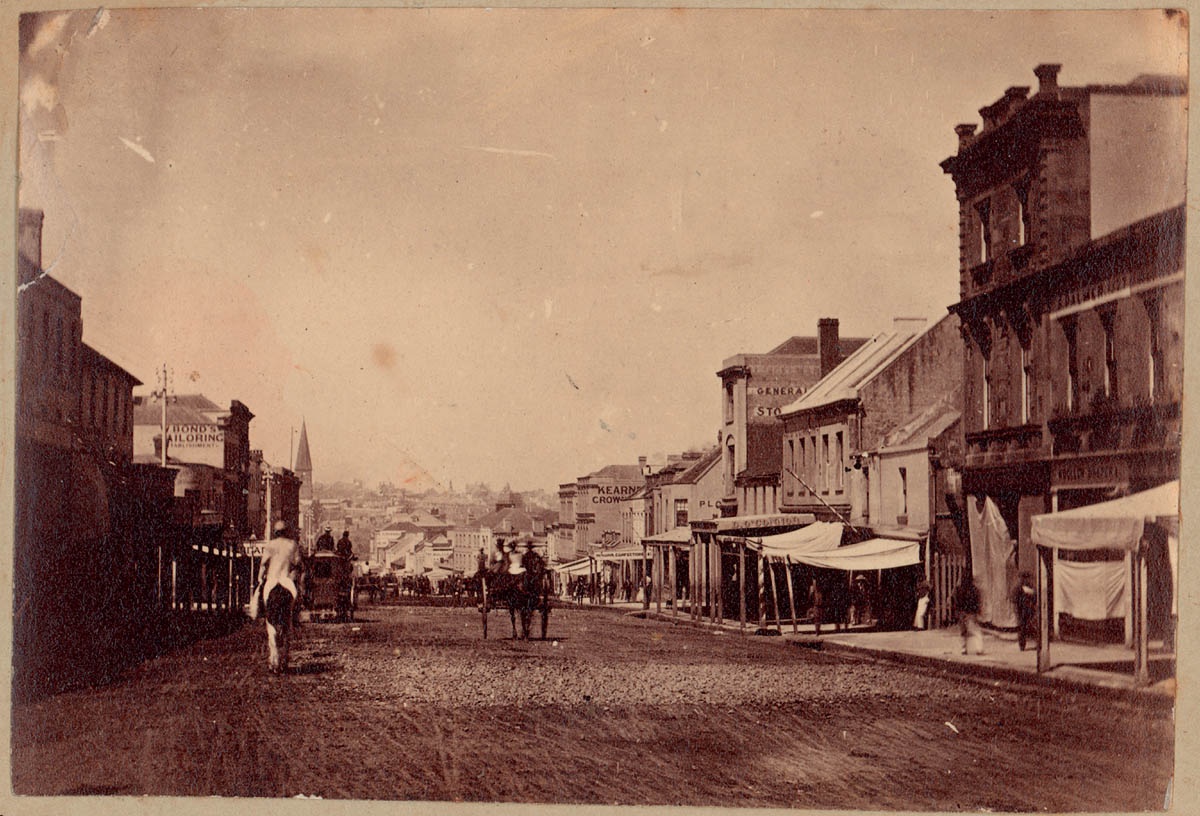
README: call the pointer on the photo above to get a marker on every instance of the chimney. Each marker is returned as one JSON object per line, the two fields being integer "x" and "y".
{"x": 1047, "y": 74}
{"x": 965, "y": 132}
{"x": 1013, "y": 97}
{"x": 828, "y": 347}
{"x": 29, "y": 245}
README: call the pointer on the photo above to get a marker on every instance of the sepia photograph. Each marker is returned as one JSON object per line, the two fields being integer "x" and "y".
{"x": 713, "y": 408}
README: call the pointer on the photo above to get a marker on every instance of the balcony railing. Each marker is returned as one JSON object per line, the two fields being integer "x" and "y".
{"x": 1107, "y": 426}
{"x": 1021, "y": 443}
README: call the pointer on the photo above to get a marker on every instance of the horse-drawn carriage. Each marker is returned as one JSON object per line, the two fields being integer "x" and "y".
{"x": 331, "y": 587}
{"x": 522, "y": 593}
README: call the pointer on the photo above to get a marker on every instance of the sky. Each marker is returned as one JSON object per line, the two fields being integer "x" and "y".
{"x": 504, "y": 245}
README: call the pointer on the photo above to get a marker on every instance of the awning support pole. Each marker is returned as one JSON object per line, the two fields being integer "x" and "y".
{"x": 1141, "y": 664}
{"x": 775, "y": 599}
{"x": 791, "y": 595}
{"x": 742, "y": 583}
{"x": 1043, "y": 653}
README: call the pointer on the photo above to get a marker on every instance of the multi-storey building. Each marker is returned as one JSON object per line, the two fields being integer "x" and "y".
{"x": 77, "y": 493}
{"x": 1071, "y": 227}
{"x": 754, "y": 389}
{"x": 861, "y": 447}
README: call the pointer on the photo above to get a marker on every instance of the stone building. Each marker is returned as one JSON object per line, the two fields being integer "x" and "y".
{"x": 1071, "y": 226}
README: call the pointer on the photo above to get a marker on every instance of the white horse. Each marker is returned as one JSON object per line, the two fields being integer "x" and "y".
{"x": 281, "y": 574}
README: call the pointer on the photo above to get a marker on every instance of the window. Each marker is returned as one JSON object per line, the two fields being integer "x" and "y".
{"x": 839, "y": 467}
{"x": 729, "y": 402}
{"x": 803, "y": 462}
{"x": 904, "y": 493}
{"x": 983, "y": 210}
{"x": 1024, "y": 221}
{"x": 987, "y": 393}
{"x": 1026, "y": 381}
{"x": 1155, "y": 362}
{"x": 681, "y": 512}
{"x": 1108, "y": 319}
{"x": 1069, "y": 327}
{"x": 791, "y": 463}
{"x": 825, "y": 462}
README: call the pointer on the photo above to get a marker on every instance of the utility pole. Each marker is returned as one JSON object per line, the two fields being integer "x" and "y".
{"x": 164, "y": 396}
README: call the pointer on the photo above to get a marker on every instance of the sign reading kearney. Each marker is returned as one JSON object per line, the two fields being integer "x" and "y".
{"x": 200, "y": 443}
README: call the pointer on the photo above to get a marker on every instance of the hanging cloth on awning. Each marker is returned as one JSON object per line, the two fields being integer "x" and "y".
{"x": 816, "y": 537}
{"x": 1091, "y": 591}
{"x": 993, "y": 561}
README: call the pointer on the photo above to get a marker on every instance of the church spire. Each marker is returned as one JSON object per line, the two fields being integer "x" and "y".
{"x": 303, "y": 467}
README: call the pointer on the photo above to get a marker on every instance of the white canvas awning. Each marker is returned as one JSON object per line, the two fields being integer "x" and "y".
{"x": 875, "y": 554}
{"x": 1111, "y": 525}
{"x": 580, "y": 566}
{"x": 816, "y": 537}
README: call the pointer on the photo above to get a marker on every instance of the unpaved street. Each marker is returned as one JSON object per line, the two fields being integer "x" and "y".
{"x": 411, "y": 703}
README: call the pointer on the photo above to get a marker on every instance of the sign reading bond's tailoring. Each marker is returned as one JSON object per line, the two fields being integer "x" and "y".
{"x": 199, "y": 443}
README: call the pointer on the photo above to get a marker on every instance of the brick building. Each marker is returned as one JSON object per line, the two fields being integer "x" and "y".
{"x": 754, "y": 389}
{"x": 862, "y": 447}
{"x": 1071, "y": 226}
{"x": 78, "y": 495}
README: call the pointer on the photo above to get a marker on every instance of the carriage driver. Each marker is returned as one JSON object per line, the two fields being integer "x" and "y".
{"x": 530, "y": 560}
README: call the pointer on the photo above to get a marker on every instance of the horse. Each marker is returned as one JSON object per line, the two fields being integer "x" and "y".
{"x": 522, "y": 594}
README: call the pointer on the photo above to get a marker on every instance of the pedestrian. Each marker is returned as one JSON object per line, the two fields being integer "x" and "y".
{"x": 966, "y": 601}
{"x": 1024, "y": 598}
{"x": 647, "y": 590}
{"x": 280, "y": 574}
{"x": 816, "y": 599}
{"x": 858, "y": 600}
{"x": 924, "y": 599}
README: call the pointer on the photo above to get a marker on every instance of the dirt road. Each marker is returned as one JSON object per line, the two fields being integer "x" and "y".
{"x": 411, "y": 704}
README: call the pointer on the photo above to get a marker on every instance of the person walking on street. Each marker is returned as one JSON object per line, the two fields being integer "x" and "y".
{"x": 924, "y": 599}
{"x": 816, "y": 598}
{"x": 1025, "y": 600}
{"x": 966, "y": 600}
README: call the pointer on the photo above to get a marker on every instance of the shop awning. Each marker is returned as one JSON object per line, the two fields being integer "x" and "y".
{"x": 680, "y": 535}
{"x": 1111, "y": 525}
{"x": 816, "y": 537}
{"x": 874, "y": 554}
{"x": 580, "y": 566}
